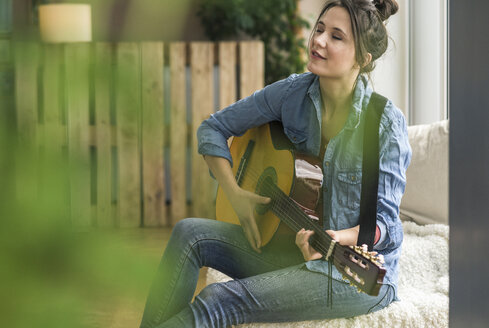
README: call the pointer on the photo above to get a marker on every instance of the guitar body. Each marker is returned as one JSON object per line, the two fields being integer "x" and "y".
{"x": 264, "y": 153}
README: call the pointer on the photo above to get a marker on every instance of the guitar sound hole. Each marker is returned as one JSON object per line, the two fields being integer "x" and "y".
{"x": 264, "y": 187}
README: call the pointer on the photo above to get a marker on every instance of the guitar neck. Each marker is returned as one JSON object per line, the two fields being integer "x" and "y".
{"x": 293, "y": 216}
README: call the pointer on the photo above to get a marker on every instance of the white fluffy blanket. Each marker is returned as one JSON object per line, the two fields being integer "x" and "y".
{"x": 423, "y": 286}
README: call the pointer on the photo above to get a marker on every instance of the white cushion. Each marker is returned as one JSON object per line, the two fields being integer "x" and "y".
{"x": 426, "y": 196}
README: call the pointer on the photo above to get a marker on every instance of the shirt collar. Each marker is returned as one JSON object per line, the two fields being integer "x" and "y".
{"x": 353, "y": 119}
{"x": 356, "y": 109}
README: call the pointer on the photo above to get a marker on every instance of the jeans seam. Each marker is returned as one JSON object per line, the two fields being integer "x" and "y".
{"x": 241, "y": 248}
{"x": 385, "y": 295}
{"x": 181, "y": 263}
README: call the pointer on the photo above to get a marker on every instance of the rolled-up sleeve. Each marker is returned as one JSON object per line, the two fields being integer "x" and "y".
{"x": 395, "y": 156}
{"x": 261, "y": 107}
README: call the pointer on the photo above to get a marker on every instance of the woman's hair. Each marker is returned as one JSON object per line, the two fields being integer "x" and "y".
{"x": 367, "y": 22}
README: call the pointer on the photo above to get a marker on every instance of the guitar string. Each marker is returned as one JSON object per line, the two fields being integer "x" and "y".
{"x": 284, "y": 199}
{"x": 281, "y": 199}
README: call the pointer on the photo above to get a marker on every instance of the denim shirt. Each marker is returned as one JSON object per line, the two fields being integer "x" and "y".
{"x": 296, "y": 102}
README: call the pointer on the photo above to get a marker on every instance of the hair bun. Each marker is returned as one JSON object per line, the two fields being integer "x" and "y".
{"x": 386, "y": 8}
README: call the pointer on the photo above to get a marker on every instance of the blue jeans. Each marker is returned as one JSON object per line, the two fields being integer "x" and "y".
{"x": 273, "y": 286}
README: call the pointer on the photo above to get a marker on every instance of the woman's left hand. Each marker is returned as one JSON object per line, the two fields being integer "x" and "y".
{"x": 302, "y": 241}
{"x": 345, "y": 237}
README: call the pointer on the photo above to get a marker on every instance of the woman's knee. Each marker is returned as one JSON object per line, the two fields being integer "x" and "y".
{"x": 188, "y": 236}
{"x": 187, "y": 228}
{"x": 184, "y": 225}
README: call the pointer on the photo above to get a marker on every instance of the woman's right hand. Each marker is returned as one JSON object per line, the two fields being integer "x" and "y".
{"x": 244, "y": 203}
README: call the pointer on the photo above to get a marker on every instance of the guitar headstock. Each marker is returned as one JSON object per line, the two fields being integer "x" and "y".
{"x": 361, "y": 268}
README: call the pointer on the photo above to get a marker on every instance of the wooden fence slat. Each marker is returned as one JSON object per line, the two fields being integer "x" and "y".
{"x": 26, "y": 72}
{"x": 201, "y": 62}
{"x": 52, "y": 134}
{"x": 252, "y": 64}
{"x": 227, "y": 73}
{"x": 103, "y": 137}
{"x": 26, "y": 66}
{"x": 152, "y": 134}
{"x": 128, "y": 104}
{"x": 52, "y": 98}
{"x": 77, "y": 58}
{"x": 178, "y": 132}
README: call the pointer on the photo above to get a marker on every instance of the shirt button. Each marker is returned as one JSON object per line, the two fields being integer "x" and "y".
{"x": 327, "y": 164}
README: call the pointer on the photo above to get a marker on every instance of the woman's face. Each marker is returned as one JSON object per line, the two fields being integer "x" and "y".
{"x": 332, "y": 47}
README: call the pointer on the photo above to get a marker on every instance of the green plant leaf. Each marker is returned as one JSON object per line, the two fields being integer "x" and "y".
{"x": 275, "y": 22}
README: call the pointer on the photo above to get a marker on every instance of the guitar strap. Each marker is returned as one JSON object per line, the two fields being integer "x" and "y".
{"x": 370, "y": 171}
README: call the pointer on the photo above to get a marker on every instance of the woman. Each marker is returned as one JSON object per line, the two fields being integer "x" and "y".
{"x": 322, "y": 112}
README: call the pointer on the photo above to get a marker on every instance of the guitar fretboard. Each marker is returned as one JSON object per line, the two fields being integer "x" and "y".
{"x": 293, "y": 216}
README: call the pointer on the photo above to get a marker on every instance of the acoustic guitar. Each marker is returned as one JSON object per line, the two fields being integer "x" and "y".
{"x": 265, "y": 162}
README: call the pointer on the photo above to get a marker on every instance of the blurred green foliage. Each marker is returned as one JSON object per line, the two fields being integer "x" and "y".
{"x": 276, "y": 22}
{"x": 52, "y": 275}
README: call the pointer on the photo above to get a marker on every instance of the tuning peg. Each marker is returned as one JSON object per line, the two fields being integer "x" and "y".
{"x": 364, "y": 248}
{"x": 379, "y": 259}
